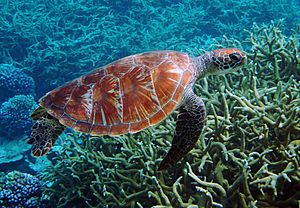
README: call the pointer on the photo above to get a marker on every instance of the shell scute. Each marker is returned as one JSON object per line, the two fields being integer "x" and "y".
{"x": 106, "y": 109}
{"x": 138, "y": 96}
{"x": 100, "y": 130}
{"x": 80, "y": 112}
{"x": 93, "y": 77}
{"x": 168, "y": 108}
{"x": 178, "y": 93}
{"x": 119, "y": 129}
{"x": 135, "y": 127}
{"x": 150, "y": 59}
{"x": 181, "y": 60}
{"x": 82, "y": 126}
{"x": 65, "y": 119}
{"x": 57, "y": 111}
{"x": 166, "y": 79}
{"x": 157, "y": 117}
{"x": 186, "y": 77}
{"x": 58, "y": 97}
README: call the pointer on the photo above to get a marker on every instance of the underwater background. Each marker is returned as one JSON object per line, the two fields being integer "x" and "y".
{"x": 249, "y": 152}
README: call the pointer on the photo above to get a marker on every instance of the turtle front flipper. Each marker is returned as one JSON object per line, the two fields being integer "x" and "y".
{"x": 45, "y": 132}
{"x": 189, "y": 125}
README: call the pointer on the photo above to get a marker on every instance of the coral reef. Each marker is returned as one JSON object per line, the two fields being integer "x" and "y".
{"x": 12, "y": 152}
{"x": 273, "y": 50}
{"x": 15, "y": 154}
{"x": 14, "y": 81}
{"x": 20, "y": 190}
{"x": 59, "y": 43}
{"x": 39, "y": 164}
{"x": 232, "y": 17}
{"x": 15, "y": 115}
{"x": 247, "y": 156}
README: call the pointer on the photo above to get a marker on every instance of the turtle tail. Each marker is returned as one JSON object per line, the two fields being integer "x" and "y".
{"x": 44, "y": 131}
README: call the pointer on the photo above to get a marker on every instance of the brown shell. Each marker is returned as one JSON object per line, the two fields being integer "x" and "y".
{"x": 127, "y": 95}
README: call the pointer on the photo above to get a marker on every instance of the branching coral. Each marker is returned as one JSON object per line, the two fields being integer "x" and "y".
{"x": 118, "y": 172}
{"x": 255, "y": 128}
{"x": 247, "y": 156}
{"x": 80, "y": 35}
{"x": 271, "y": 49}
{"x": 231, "y": 17}
{"x": 121, "y": 171}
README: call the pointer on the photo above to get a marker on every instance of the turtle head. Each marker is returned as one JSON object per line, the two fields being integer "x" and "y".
{"x": 223, "y": 61}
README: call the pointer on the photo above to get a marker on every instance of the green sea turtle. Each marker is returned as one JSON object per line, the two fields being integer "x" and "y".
{"x": 131, "y": 94}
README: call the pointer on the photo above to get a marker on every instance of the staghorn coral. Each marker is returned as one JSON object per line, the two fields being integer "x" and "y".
{"x": 15, "y": 114}
{"x": 273, "y": 50}
{"x": 20, "y": 190}
{"x": 250, "y": 144}
{"x": 51, "y": 41}
{"x": 247, "y": 156}
{"x": 255, "y": 128}
{"x": 121, "y": 171}
{"x": 118, "y": 172}
{"x": 232, "y": 17}
{"x": 78, "y": 35}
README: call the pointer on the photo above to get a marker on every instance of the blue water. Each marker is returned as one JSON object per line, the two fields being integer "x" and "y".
{"x": 46, "y": 44}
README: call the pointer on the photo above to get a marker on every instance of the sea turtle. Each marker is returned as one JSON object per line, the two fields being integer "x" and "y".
{"x": 131, "y": 94}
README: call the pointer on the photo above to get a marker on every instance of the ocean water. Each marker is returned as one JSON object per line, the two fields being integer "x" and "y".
{"x": 244, "y": 151}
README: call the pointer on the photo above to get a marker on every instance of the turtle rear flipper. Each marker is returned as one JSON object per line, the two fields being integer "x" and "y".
{"x": 44, "y": 132}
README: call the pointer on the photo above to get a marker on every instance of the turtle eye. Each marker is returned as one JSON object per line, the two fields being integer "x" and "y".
{"x": 235, "y": 57}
